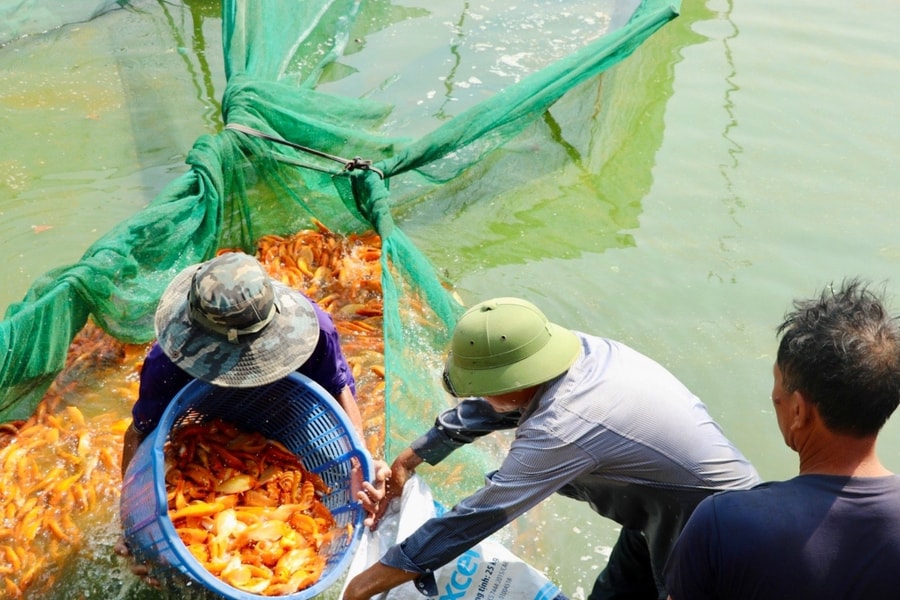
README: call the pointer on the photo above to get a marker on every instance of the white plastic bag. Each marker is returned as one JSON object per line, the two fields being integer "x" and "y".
{"x": 488, "y": 571}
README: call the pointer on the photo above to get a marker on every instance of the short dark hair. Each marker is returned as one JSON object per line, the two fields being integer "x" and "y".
{"x": 842, "y": 350}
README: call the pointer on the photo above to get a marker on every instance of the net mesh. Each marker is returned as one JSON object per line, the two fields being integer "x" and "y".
{"x": 241, "y": 186}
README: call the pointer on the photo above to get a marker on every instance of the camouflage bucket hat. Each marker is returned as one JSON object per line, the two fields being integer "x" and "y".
{"x": 226, "y": 322}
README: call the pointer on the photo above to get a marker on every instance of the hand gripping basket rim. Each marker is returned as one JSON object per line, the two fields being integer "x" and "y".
{"x": 149, "y": 462}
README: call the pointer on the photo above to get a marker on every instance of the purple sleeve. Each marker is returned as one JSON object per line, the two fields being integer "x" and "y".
{"x": 327, "y": 366}
{"x": 161, "y": 380}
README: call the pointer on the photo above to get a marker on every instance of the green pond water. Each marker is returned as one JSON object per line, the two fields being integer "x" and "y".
{"x": 745, "y": 155}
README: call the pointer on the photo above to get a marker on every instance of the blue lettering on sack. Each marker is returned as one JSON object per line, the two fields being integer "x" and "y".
{"x": 462, "y": 577}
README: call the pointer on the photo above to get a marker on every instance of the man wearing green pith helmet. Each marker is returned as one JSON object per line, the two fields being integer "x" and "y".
{"x": 594, "y": 420}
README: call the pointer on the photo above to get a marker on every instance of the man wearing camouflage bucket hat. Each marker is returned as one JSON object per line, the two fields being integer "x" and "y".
{"x": 227, "y": 322}
{"x": 594, "y": 420}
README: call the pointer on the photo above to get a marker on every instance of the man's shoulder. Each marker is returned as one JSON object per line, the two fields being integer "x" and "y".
{"x": 760, "y": 497}
{"x": 795, "y": 493}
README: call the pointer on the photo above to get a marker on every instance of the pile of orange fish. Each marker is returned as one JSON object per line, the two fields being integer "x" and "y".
{"x": 343, "y": 275}
{"x": 56, "y": 468}
{"x": 246, "y": 508}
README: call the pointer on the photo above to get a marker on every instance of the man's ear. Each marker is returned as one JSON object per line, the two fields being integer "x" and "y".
{"x": 798, "y": 416}
{"x": 802, "y": 409}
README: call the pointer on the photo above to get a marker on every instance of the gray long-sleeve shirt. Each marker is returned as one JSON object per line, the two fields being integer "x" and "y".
{"x": 617, "y": 430}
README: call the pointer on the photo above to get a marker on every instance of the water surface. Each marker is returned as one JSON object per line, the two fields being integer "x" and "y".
{"x": 743, "y": 156}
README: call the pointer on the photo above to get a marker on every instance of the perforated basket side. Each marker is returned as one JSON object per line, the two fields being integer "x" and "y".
{"x": 139, "y": 512}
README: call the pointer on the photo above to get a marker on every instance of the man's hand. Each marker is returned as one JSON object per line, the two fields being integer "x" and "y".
{"x": 374, "y": 580}
{"x": 371, "y": 494}
{"x": 403, "y": 467}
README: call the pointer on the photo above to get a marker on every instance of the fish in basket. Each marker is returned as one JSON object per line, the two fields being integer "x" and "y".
{"x": 247, "y": 492}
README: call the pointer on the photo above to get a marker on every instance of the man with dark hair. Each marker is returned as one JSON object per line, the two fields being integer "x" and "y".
{"x": 834, "y": 530}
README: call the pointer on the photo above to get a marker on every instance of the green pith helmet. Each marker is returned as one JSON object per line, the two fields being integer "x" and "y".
{"x": 506, "y": 344}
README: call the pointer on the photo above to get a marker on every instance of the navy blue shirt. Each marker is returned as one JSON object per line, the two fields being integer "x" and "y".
{"x": 808, "y": 538}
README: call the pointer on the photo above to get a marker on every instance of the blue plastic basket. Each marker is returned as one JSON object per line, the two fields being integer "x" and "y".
{"x": 295, "y": 411}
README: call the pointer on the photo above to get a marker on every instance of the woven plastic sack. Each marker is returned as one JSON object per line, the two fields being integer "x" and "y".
{"x": 488, "y": 571}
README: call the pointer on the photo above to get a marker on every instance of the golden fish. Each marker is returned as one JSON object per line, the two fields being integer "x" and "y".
{"x": 254, "y": 524}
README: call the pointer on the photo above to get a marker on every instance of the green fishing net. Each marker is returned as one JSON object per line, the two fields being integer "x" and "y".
{"x": 290, "y": 154}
